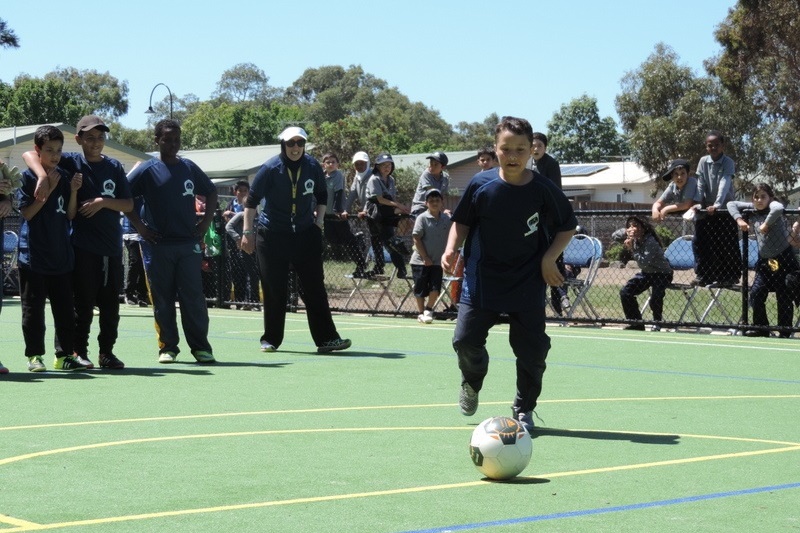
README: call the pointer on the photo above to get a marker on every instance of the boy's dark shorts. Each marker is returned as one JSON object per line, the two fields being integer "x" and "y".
{"x": 427, "y": 279}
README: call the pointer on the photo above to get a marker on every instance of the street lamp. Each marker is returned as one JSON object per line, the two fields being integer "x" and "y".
{"x": 150, "y": 110}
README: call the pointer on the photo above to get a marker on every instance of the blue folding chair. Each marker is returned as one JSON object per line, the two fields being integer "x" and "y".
{"x": 586, "y": 253}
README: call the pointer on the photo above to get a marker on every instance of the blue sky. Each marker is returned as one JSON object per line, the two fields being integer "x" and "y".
{"x": 463, "y": 58}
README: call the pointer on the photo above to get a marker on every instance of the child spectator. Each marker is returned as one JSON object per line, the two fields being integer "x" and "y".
{"x": 7, "y": 187}
{"x": 244, "y": 266}
{"x": 776, "y": 259}
{"x": 655, "y": 273}
{"x": 381, "y": 205}
{"x": 680, "y": 195}
{"x": 430, "y": 238}
{"x": 337, "y": 229}
{"x": 487, "y": 158}
{"x": 358, "y": 188}
{"x": 434, "y": 177}
{"x": 546, "y": 164}
{"x": 716, "y": 244}
{"x": 514, "y": 226}
{"x": 46, "y": 257}
{"x": 171, "y": 237}
{"x": 96, "y": 239}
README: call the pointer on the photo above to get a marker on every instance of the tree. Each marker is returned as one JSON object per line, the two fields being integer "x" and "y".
{"x": 666, "y": 112}
{"x": 104, "y": 94}
{"x": 42, "y": 101}
{"x": 229, "y": 125}
{"x": 8, "y": 39}
{"x": 577, "y": 134}
{"x": 760, "y": 64}
{"x": 331, "y": 93}
{"x": 475, "y": 135}
{"x": 245, "y": 82}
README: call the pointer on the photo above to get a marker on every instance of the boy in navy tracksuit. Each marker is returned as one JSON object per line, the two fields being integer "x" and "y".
{"x": 171, "y": 237}
{"x": 96, "y": 239}
{"x": 46, "y": 258}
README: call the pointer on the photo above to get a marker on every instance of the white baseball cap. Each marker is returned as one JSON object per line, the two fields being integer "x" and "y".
{"x": 361, "y": 156}
{"x": 291, "y": 132}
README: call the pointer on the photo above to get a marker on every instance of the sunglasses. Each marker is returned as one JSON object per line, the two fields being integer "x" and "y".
{"x": 291, "y": 143}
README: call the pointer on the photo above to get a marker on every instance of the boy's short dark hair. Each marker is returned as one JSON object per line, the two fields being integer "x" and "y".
{"x": 487, "y": 151}
{"x": 517, "y": 126}
{"x": 166, "y": 124}
{"x": 329, "y": 155}
{"x": 716, "y": 133}
{"x": 47, "y": 133}
{"x": 539, "y": 136}
{"x": 241, "y": 183}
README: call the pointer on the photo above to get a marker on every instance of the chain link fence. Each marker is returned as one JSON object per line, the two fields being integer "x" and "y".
{"x": 592, "y": 297}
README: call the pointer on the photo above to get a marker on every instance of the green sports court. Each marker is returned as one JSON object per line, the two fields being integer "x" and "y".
{"x": 636, "y": 431}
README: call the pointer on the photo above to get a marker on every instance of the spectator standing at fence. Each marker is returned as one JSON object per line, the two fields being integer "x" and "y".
{"x": 681, "y": 193}
{"x": 776, "y": 258}
{"x": 487, "y": 158}
{"x": 655, "y": 273}
{"x": 716, "y": 245}
{"x": 289, "y": 232}
{"x": 96, "y": 238}
{"x": 431, "y": 229}
{"x": 235, "y": 272}
{"x": 337, "y": 228}
{"x": 514, "y": 225}
{"x": 172, "y": 234}
{"x": 46, "y": 256}
{"x": 7, "y": 188}
{"x": 382, "y": 210}
{"x": 358, "y": 188}
{"x": 546, "y": 164}
{"x": 243, "y": 266}
{"x": 434, "y": 177}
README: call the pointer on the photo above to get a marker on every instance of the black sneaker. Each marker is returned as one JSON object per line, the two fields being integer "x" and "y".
{"x": 468, "y": 400}
{"x": 334, "y": 345}
{"x": 109, "y": 360}
{"x": 526, "y": 420}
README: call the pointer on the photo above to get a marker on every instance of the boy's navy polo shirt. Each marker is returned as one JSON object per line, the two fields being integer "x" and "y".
{"x": 510, "y": 228}
{"x": 100, "y": 234}
{"x": 168, "y": 192}
{"x": 44, "y": 243}
{"x": 273, "y": 184}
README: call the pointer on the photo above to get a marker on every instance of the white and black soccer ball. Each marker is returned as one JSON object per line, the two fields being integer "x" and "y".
{"x": 500, "y": 447}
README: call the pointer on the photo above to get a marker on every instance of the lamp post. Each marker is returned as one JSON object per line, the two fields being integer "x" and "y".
{"x": 150, "y": 109}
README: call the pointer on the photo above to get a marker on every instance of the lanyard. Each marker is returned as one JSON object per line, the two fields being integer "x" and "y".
{"x": 294, "y": 181}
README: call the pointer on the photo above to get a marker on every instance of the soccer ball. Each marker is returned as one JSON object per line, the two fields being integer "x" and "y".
{"x": 500, "y": 447}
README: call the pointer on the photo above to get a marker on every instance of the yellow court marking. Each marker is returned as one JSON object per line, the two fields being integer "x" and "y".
{"x": 386, "y": 407}
{"x": 21, "y": 525}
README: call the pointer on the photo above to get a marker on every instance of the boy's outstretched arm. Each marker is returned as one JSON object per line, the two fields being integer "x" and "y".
{"x": 550, "y": 271}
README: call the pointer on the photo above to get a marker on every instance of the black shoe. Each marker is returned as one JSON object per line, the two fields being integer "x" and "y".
{"x": 699, "y": 281}
{"x": 756, "y": 333}
{"x": 401, "y": 273}
{"x": 634, "y": 327}
{"x": 360, "y": 274}
{"x": 726, "y": 283}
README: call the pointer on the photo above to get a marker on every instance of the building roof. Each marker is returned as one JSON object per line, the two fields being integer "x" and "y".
{"x": 227, "y": 165}
{"x": 17, "y": 140}
{"x": 602, "y": 174}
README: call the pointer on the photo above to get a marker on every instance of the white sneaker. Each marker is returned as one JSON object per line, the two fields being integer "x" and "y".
{"x": 425, "y": 318}
{"x": 267, "y": 347}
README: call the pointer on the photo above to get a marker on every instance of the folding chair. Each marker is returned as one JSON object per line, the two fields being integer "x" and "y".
{"x": 445, "y": 296}
{"x": 10, "y": 258}
{"x": 716, "y": 293}
{"x": 381, "y": 284}
{"x": 586, "y": 253}
{"x": 680, "y": 255}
